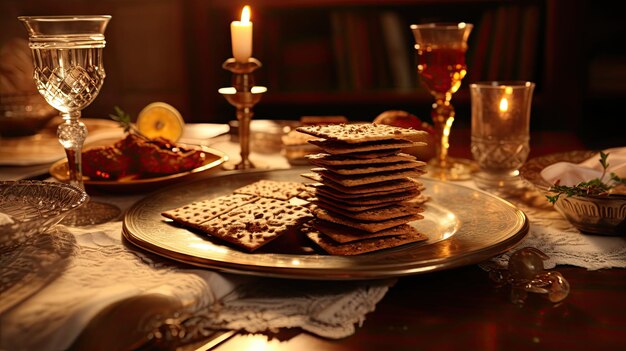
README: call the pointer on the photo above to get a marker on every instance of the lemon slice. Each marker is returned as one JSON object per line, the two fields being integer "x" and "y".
{"x": 160, "y": 119}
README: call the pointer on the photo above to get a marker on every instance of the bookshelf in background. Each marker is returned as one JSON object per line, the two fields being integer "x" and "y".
{"x": 340, "y": 51}
{"x": 344, "y": 50}
{"x": 324, "y": 82}
{"x": 507, "y": 42}
{"x": 504, "y": 45}
{"x": 571, "y": 49}
{"x": 605, "y": 65}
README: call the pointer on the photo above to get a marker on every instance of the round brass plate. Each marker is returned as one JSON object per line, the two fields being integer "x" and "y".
{"x": 464, "y": 226}
{"x": 214, "y": 158}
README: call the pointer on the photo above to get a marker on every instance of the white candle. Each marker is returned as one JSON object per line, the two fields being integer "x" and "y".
{"x": 241, "y": 36}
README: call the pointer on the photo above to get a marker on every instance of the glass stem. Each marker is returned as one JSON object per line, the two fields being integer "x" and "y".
{"x": 443, "y": 117}
{"x": 72, "y": 133}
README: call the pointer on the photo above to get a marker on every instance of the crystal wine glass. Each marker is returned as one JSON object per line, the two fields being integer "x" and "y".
{"x": 441, "y": 66}
{"x": 69, "y": 72}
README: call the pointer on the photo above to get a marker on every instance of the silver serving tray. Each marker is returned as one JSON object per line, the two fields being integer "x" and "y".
{"x": 464, "y": 226}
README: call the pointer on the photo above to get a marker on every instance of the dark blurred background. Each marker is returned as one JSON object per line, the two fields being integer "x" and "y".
{"x": 355, "y": 57}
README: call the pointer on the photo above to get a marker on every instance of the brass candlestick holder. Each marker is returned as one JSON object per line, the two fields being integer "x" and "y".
{"x": 243, "y": 94}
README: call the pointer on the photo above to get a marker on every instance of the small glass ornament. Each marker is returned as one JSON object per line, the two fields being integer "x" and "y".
{"x": 526, "y": 274}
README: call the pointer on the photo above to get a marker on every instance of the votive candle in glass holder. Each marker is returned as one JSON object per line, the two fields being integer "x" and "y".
{"x": 500, "y": 141}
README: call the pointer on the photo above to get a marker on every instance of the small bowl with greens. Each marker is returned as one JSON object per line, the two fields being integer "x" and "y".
{"x": 596, "y": 205}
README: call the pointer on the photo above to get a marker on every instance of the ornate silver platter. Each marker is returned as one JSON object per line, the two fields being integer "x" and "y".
{"x": 464, "y": 226}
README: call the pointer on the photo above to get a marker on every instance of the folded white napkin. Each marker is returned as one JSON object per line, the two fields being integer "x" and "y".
{"x": 570, "y": 174}
{"x": 55, "y": 285}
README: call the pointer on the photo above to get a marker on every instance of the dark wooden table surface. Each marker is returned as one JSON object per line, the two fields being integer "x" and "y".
{"x": 461, "y": 309}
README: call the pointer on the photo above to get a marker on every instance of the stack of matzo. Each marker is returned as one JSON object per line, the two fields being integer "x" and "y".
{"x": 366, "y": 190}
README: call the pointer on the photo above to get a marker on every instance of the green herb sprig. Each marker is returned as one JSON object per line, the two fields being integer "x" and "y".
{"x": 125, "y": 121}
{"x": 593, "y": 187}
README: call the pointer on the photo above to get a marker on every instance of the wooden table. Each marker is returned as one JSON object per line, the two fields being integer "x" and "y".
{"x": 461, "y": 309}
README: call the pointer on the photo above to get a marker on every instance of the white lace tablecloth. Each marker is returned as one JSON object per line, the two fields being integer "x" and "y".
{"x": 55, "y": 285}
{"x": 565, "y": 245}
{"x": 91, "y": 269}
{"x": 551, "y": 233}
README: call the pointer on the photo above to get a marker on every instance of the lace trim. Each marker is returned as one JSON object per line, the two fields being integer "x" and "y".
{"x": 551, "y": 233}
{"x": 85, "y": 270}
{"x": 328, "y": 309}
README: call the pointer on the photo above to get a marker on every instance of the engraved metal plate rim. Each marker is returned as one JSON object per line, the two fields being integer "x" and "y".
{"x": 143, "y": 222}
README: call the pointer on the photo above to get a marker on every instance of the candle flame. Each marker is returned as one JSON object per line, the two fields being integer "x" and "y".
{"x": 504, "y": 105}
{"x": 245, "y": 14}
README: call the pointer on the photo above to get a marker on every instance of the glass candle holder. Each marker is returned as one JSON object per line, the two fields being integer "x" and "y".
{"x": 500, "y": 141}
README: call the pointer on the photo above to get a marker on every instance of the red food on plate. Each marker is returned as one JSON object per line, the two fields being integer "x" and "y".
{"x": 140, "y": 157}
{"x": 106, "y": 162}
{"x": 160, "y": 156}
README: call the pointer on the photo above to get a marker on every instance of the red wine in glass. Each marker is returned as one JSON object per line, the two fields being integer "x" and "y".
{"x": 441, "y": 49}
{"x": 441, "y": 69}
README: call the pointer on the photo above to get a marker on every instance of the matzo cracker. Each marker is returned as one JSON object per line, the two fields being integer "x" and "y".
{"x": 280, "y": 190}
{"x": 361, "y": 189}
{"x": 369, "y": 200}
{"x": 374, "y": 168}
{"x": 343, "y": 148}
{"x": 362, "y": 246}
{"x": 356, "y": 180}
{"x": 376, "y": 214}
{"x": 343, "y": 234}
{"x": 323, "y": 159}
{"x": 255, "y": 224}
{"x": 332, "y": 192}
{"x": 347, "y": 207}
{"x": 370, "y": 226}
{"x": 198, "y": 212}
{"x": 360, "y": 132}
